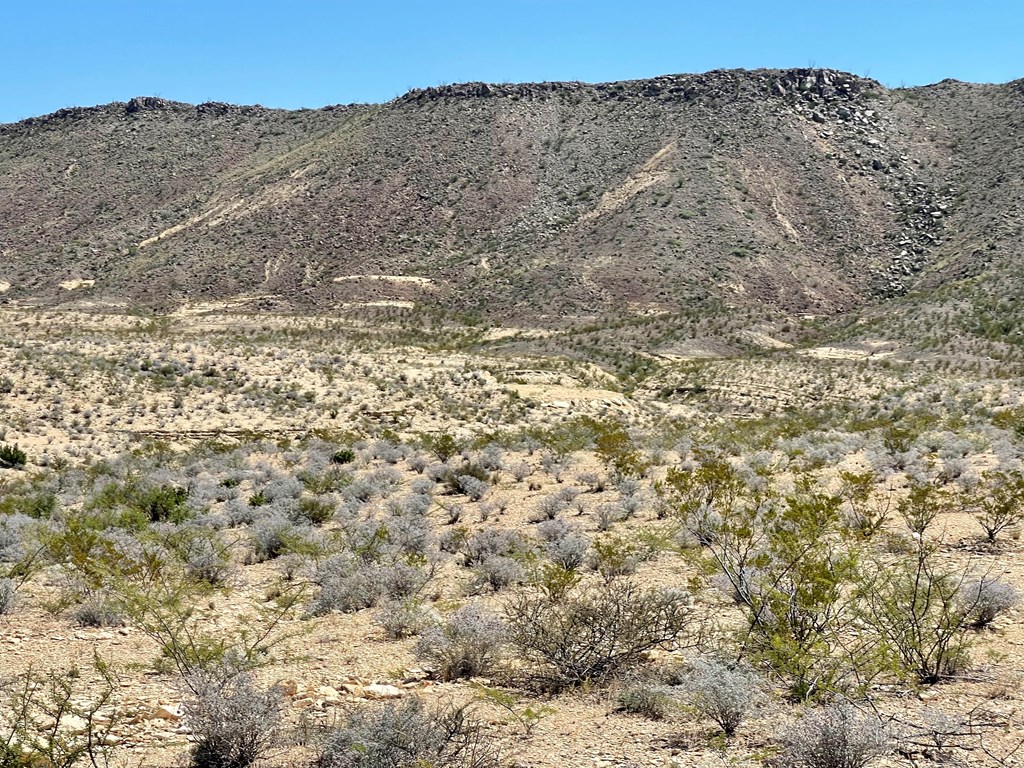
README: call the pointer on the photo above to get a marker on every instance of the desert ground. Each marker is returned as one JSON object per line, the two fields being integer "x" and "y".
{"x": 328, "y": 508}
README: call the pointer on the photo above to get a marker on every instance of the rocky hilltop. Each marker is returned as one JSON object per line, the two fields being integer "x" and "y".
{"x": 806, "y": 191}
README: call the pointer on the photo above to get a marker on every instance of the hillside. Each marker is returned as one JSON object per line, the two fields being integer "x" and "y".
{"x": 791, "y": 192}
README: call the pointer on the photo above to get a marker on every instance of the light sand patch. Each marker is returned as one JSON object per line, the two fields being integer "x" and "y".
{"x": 209, "y": 307}
{"x": 4, "y": 286}
{"x": 568, "y": 398}
{"x": 764, "y": 341}
{"x": 496, "y": 334}
{"x": 400, "y": 304}
{"x": 424, "y": 282}
{"x": 74, "y": 285}
{"x": 653, "y": 171}
{"x": 860, "y": 351}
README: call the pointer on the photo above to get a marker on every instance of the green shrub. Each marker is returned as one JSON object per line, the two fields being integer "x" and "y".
{"x": 12, "y": 457}
{"x": 920, "y": 614}
{"x": 343, "y": 456}
{"x": 997, "y": 503}
{"x": 444, "y": 445}
{"x": 163, "y": 504}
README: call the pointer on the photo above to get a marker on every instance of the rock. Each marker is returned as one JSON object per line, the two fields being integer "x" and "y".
{"x": 378, "y": 691}
{"x": 415, "y": 675}
{"x": 74, "y": 725}
{"x": 288, "y": 687}
{"x": 328, "y": 694}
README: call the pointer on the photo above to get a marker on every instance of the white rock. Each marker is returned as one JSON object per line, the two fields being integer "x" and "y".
{"x": 378, "y": 691}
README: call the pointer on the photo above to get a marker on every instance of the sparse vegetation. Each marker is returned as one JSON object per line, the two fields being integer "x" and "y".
{"x": 704, "y": 490}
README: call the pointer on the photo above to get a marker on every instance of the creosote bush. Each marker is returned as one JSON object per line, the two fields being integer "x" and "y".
{"x": 997, "y": 502}
{"x": 591, "y": 634}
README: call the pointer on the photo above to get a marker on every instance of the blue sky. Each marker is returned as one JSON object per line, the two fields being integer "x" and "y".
{"x": 308, "y": 53}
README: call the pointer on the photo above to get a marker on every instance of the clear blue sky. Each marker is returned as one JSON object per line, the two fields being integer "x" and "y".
{"x": 308, "y": 53}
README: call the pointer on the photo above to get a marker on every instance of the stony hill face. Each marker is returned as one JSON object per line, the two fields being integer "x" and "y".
{"x": 807, "y": 190}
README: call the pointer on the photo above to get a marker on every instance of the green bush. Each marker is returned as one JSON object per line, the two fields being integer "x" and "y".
{"x": 12, "y": 457}
{"x": 789, "y": 563}
{"x": 343, "y": 456}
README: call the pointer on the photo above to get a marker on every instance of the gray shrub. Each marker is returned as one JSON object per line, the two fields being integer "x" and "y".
{"x": 563, "y": 543}
{"x": 466, "y": 644}
{"x": 490, "y": 542}
{"x": 491, "y": 458}
{"x": 723, "y": 692}
{"x": 404, "y": 618}
{"x": 8, "y": 595}
{"x": 498, "y": 572}
{"x": 644, "y": 698}
{"x": 347, "y": 592}
{"x": 233, "y": 721}
{"x": 472, "y": 487}
{"x": 984, "y": 600}
{"x": 408, "y": 735}
{"x": 97, "y": 612}
{"x": 12, "y": 530}
{"x": 269, "y": 536}
{"x": 835, "y": 736}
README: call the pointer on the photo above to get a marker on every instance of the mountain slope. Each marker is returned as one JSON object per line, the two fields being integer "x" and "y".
{"x": 803, "y": 191}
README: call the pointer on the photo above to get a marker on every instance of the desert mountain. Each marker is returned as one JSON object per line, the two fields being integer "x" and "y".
{"x": 804, "y": 191}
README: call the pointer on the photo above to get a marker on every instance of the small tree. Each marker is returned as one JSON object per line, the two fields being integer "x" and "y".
{"x": 616, "y": 450}
{"x": 998, "y": 502}
{"x": 788, "y": 562}
{"x": 46, "y": 721}
{"x": 444, "y": 445}
{"x": 921, "y": 614}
